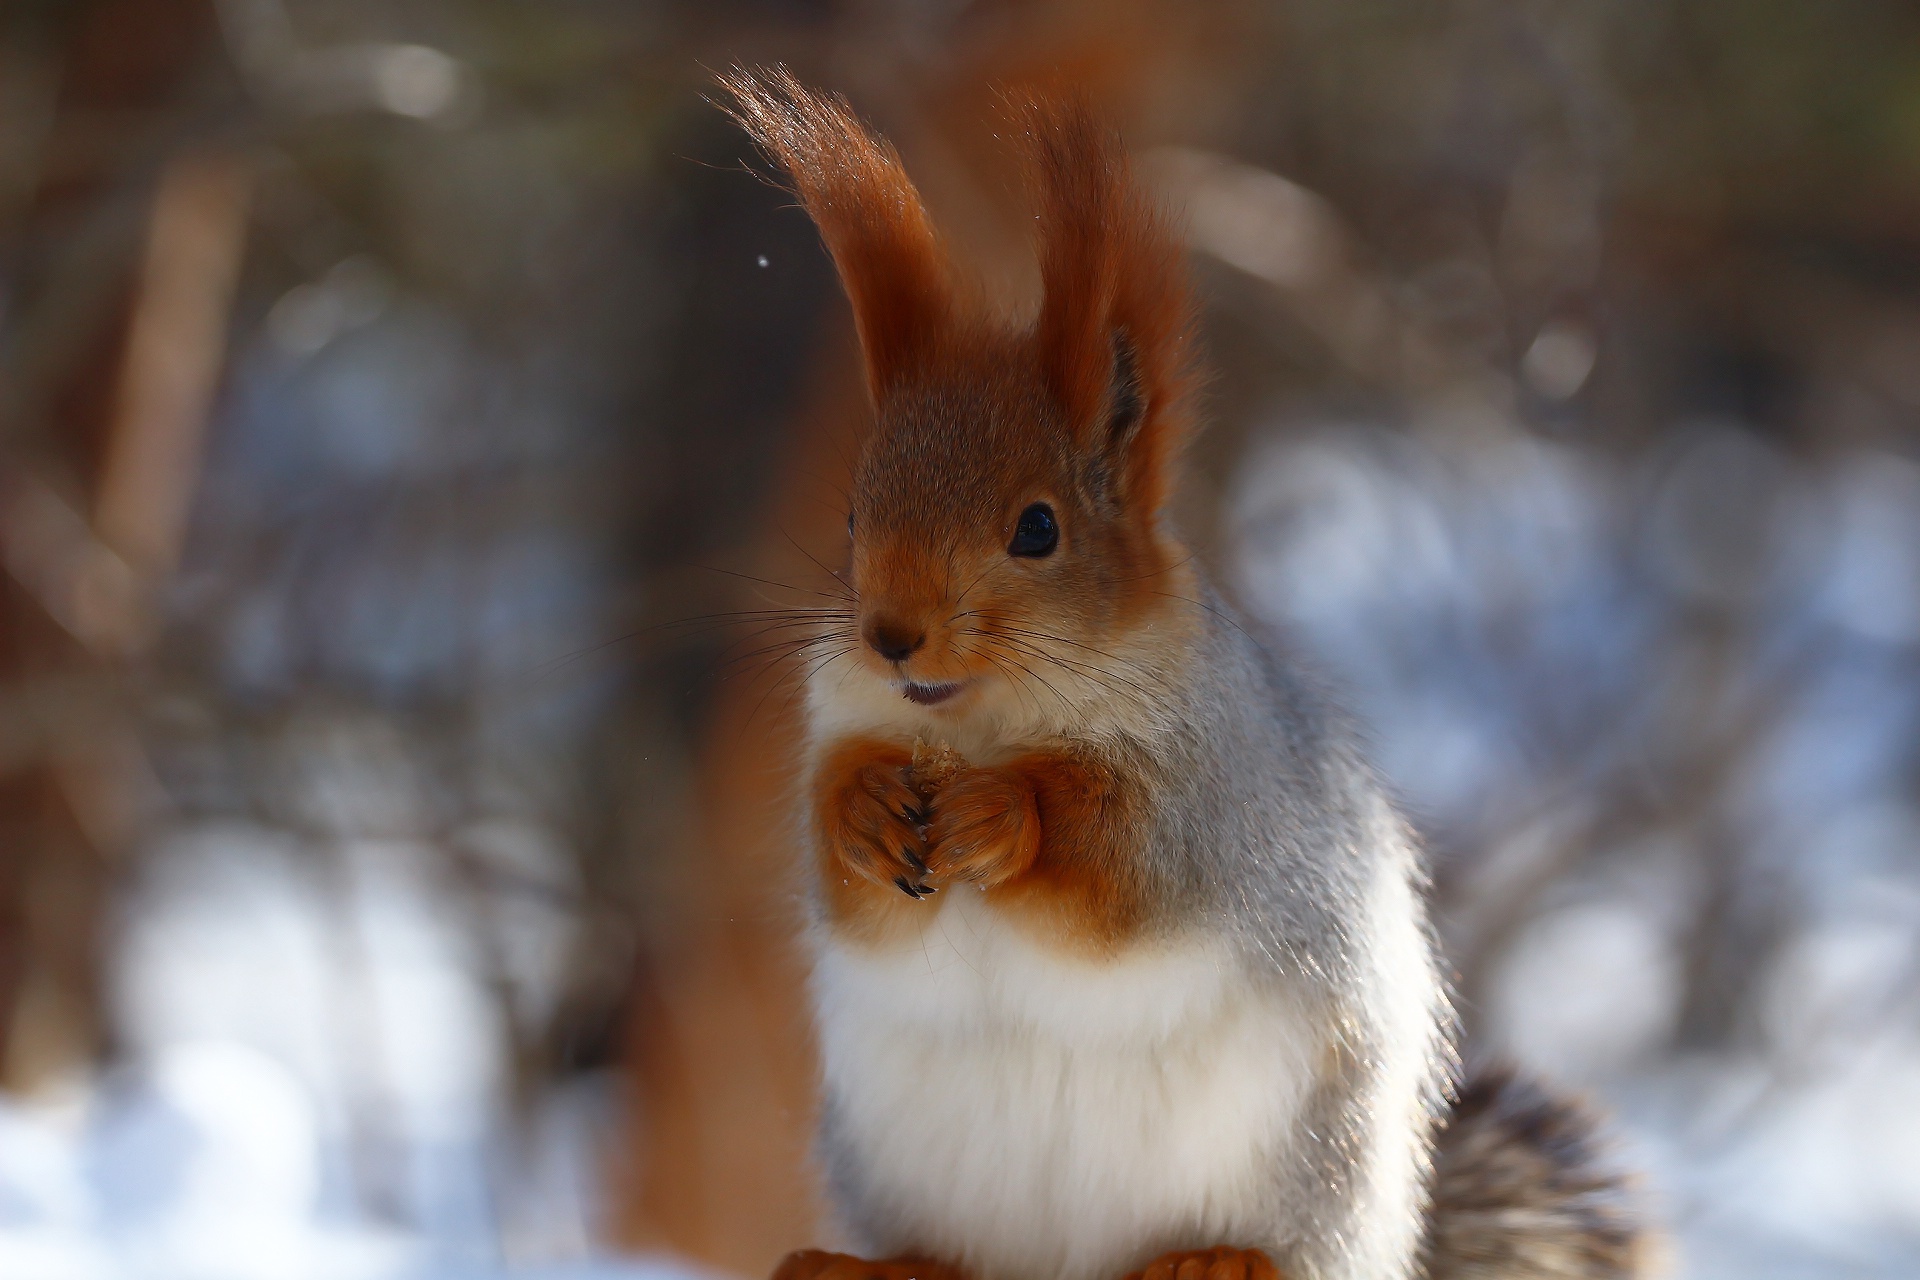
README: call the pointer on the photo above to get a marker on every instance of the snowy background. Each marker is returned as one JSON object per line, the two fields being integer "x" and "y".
{"x": 392, "y": 396}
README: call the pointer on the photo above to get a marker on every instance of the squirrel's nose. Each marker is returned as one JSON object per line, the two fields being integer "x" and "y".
{"x": 893, "y": 641}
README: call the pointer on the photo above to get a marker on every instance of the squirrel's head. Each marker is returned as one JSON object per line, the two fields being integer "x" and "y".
{"x": 1007, "y": 514}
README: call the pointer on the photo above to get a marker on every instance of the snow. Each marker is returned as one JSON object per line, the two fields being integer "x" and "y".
{"x": 208, "y": 1164}
{"x": 311, "y": 1086}
{"x": 1511, "y": 616}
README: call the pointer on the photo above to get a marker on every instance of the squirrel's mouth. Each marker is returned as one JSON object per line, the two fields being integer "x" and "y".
{"x": 929, "y": 695}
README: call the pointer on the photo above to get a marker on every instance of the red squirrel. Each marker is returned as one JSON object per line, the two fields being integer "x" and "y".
{"x": 1121, "y": 964}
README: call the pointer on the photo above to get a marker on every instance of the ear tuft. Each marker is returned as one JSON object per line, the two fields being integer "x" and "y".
{"x": 1117, "y": 308}
{"x": 869, "y": 214}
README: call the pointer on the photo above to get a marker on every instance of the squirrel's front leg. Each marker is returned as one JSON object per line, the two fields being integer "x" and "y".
{"x": 817, "y": 1264}
{"x": 1223, "y": 1263}
{"x": 983, "y": 827}
{"x": 867, "y": 820}
{"x": 1052, "y": 835}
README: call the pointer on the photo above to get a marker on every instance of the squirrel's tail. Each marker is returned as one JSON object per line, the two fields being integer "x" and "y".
{"x": 1523, "y": 1191}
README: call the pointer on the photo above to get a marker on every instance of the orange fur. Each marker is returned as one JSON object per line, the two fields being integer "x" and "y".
{"x": 731, "y": 1216}
{"x": 868, "y": 212}
{"x": 1047, "y": 837}
{"x": 984, "y": 828}
{"x": 865, "y": 815}
{"x": 1028, "y": 415}
{"x": 1084, "y": 411}
{"x": 977, "y": 420}
{"x": 1083, "y": 888}
{"x": 817, "y": 1264}
{"x": 1210, "y": 1264}
{"x": 1115, "y": 280}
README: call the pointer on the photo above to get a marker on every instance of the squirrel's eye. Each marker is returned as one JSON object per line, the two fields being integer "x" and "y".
{"x": 1037, "y": 534}
{"x": 849, "y": 524}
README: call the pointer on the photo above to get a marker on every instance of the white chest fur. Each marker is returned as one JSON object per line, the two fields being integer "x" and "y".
{"x": 1049, "y": 1118}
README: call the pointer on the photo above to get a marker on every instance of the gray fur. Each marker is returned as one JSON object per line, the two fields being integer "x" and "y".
{"x": 1266, "y": 809}
{"x": 1266, "y": 825}
{"x": 1523, "y": 1187}
{"x": 1268, "y": 830}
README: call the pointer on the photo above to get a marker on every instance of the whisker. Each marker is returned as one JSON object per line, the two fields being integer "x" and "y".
{"x": 765, "y": 628}
{"x": 1013, "y": 679}
{"x": 761, "y": 630}
{"x": 1036, "y": 676}
{"x": 729, "y": 615}
{"x": 693, "y": 625}
{"x": 780, "y": 668}
{"x": 1105, "y": 679}
{"x": 1111, "y": 680}
{"x": 1143, "y": 577}
{"x": 1125, "y": 662}
{"x": 786, "y": 647}
{"x": 803, "y": 676}
{"x": 800, "y": 686}
{"x": 784, "y": 586}
{"x": 1090, "y": 648}
{"x": 1227, "y": 618}
{"x": 961, "y": 598}
{"x": 831, "y": 573}
{"x": 1066, "y": 704}
{"x": 774, "y": 665}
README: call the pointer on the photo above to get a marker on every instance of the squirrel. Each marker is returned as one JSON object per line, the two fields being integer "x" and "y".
{"x": 1120, "y": 958}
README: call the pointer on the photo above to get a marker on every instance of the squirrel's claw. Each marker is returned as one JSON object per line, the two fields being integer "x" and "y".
{"x": 914, "y": 891}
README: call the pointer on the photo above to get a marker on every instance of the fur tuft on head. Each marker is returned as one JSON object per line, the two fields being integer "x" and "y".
{"x": 985, "y": 428}
{"x": 852, "y": 183}
{"x": 1117, "y": 307}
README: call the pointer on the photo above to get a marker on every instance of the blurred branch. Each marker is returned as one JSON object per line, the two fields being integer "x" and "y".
{"x": 176, "y": 348}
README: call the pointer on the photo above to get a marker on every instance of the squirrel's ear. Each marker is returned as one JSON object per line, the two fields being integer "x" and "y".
{"x": 1117, "y": 307}
{"x": 852, "y": 183}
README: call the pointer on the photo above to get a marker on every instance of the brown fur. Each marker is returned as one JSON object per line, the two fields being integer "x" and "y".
{"x": 747, "y": 1120}
{"x": 867, "y": 829}
{"x": 1210, "y": 1264}
{"x": 1114, "y": 276}
{"x": 878, "y": 833}
{"x": 867, "y": 210}
{"x": 1082, "y": 890}
{"x": 1523, "y": 1191}
{"x": 817, "y": 1264}
{"x": 1086, "y": 411}
{"x": 983, "y": 828}
{"x": 1197, "y": 1264}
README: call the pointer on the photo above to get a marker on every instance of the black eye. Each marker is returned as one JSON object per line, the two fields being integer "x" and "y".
{"x": 849, "y": 524}
{"x": 1037, "y": 533}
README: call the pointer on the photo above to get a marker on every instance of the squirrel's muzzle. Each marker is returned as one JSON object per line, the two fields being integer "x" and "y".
{"x": 893, "y": 640}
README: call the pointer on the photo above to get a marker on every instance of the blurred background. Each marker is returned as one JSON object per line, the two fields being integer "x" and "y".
{"x": 394, "y": 393}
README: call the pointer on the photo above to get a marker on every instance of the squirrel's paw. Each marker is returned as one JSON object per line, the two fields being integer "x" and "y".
{"x": 984, "y": 827}
{"x": 1210, "y": 1264}
{"x": 817, "y": 1264}
{"x": 869, "y": 820}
